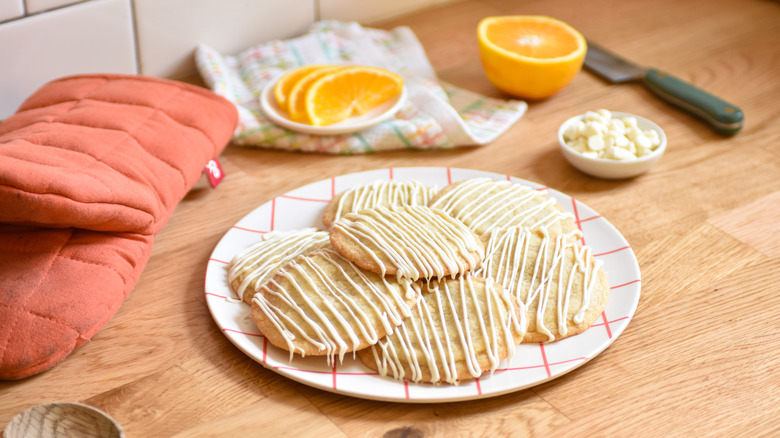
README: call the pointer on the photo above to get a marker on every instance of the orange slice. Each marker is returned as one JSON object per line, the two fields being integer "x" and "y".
{"x": 285, "y": 84}
{"x": 530, "y": 56}
{"x": 349, "y": 92}
{"x": 296, "y": 100}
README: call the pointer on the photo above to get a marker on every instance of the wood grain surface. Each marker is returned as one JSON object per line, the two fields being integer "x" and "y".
{"x": 700, "y": 357}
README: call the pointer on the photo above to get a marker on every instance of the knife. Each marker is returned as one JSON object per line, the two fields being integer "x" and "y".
{"x": 724, "y": 117}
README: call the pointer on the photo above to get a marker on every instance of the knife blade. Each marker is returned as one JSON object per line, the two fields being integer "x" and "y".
{"x": 723, "y": 116}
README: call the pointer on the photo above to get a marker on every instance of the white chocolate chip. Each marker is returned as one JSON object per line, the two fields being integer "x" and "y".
{"x": 596, "y": 142}
{"x": 593, "y": 128}
{"x": 592, "y": 116}
{"x": 621, "y": 141}
{"x": 622, "y": 154}
{"x": 643, "y": 141}
{"x": 581, "y": 145}
{"x": 574, "y": 130}
{"x": 617, "y": 126}
{"x": 653, "y": 136}
{"x": 633, "y": 133}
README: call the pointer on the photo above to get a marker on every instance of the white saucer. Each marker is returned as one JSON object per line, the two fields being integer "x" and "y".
{"x": 353, "y": 124}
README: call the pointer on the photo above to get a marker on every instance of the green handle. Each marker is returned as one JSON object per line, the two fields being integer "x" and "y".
{"x": 726, "y": 118}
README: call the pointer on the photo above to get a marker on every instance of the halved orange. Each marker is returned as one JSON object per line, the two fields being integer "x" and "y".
{"x": 350, "y": 91}
{"x": 285, "y": 84}
{"x": 530, "y": 56}
{"x": 296, "y": 100}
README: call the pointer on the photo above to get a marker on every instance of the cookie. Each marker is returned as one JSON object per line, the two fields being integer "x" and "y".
{"x": 562, "y": 286}
{"x": 484, "y": 204}
{"x": 255, "y": 265}
{"x": 410, "y": 242}
{"x": 378, "y": 194}
{"x": 321, "y": 304}
{"x": 460, "y": 329}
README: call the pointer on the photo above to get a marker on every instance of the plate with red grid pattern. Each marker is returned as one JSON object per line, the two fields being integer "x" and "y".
{"x": 531, "y": 365}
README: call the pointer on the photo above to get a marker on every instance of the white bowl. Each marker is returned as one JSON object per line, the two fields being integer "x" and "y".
{"x": 613, "y": 169}
{"x": 352, "y": 124}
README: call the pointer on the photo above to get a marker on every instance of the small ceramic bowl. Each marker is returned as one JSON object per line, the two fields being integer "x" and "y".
{"x": 613, "y": 169}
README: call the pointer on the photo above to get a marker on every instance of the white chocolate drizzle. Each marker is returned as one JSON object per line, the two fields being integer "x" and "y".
{"x": 419, "y": 241}
{"x": 383, "y": 194}
{"x": 454, "y": 323}
{"x": 499, "y": 204}
{"x": 259, "y": 262}
{"x": 559, "y": 260}
{"x": 330, "y": 302}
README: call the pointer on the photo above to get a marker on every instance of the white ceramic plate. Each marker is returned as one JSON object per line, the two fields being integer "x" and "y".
{"x": 353, "y": 124}
{"x": 531, "y": 365}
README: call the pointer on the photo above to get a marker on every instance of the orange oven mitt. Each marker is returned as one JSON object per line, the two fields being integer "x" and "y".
{"x": 91, "y": 167}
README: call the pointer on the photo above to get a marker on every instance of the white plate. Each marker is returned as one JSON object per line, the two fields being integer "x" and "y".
{"x": 531, "y": 365}
{"x": 353, "y": 124}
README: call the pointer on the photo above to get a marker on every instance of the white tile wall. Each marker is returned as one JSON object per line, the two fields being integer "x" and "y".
{"x": 366, "y": 11}
{"x": 94, "y": 36}
{"x": 169, "y": 30}
{"x": 10, "y": 9}
{"x": 41, "y": 40}
{"x": 34, "y": 6}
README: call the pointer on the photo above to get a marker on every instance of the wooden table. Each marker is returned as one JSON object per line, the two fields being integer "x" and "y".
{"x": 700, "y": 356}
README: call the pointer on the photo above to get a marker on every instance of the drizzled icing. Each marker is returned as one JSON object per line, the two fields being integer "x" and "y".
{"x": 458, "y": 321}
{"x": 558, "y": 262}
{"x": 382, "y": 194}
{"x": 418, "y": 241}
{"x": 256, "y": 264}
{"x": 331, "y": 304}
{"x": 484, "y": 204}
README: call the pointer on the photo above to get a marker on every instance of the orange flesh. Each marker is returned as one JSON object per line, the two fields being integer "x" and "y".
{"x": 532, "y": 39}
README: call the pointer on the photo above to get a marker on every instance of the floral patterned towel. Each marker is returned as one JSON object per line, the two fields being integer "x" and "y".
{"x": 435, "y": 115}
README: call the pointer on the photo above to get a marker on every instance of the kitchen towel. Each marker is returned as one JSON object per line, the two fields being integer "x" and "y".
{"x": 436, "y": 114}
{"x": 91, "y": 167}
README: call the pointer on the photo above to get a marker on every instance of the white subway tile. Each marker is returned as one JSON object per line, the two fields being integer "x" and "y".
{"x": 35, "y": 6}
{"x": 91, "y": 37}
{"x": 367, "y": 11}
{"x": 10, "y": 9}
{"x": 169, "y": 30}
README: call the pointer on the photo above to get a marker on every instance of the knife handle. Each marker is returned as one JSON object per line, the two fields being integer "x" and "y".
{"x": 724, "y": 117}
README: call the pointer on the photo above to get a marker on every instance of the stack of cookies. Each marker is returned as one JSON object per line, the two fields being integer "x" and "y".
{"x": 421, "y": 284}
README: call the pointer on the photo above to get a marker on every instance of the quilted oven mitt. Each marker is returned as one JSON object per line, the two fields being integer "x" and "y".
{"x": 91, "y": 167}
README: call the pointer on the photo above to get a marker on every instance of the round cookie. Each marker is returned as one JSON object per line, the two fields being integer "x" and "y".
{"x": 563, "y": 288}
{"x": 378, "y": 194}
{"x": 410, "y": 242}
{"x": 460, "y": 329}
{"x": 255, "y": 265}
{"x": 484, "y": 204}
{"x": 321, "y": 304}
